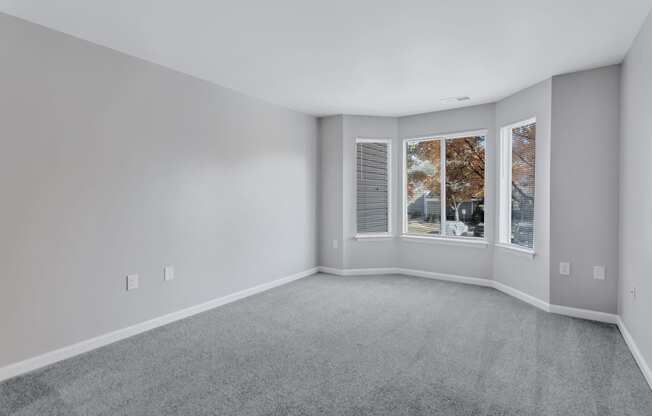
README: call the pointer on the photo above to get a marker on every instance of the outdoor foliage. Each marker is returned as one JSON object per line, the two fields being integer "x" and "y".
{"x": 523, "y": 159}
{"x": 465, "y": 170}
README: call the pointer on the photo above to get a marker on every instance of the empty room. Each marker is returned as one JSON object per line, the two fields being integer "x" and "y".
{"x": 345, "y": 207}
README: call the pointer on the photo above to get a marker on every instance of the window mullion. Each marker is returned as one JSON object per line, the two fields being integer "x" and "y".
{"x": 442, "y": 183}
{"x": 505, "y": 189}
{"x": 508, "y": 188}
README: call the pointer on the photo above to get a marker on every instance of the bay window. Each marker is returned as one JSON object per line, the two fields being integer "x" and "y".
{"x": 444, "y": 186}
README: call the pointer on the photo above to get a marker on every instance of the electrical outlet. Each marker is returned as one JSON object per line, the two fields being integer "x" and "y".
{"x": 564, "y": 269}
{"x": 168, "y": 273}
{"x": 335, "y": 243}
{"x": 599, "y": 272}
{"x": 633, "y": 293}
{"x": 132, "y": 282}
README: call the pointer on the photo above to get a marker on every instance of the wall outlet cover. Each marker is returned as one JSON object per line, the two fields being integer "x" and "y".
{"x": 564, "y": 269}
{"x": 168, "y": 273}
{"x": 599, "y": 273}
{"x": 132, "y": 282}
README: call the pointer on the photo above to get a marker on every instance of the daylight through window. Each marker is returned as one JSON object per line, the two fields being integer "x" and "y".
{"x": 445, "y": 186}
{"x": 517, "y": 183}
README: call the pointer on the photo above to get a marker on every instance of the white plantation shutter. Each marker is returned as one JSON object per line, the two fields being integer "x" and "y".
{"x": 372, "y": 186}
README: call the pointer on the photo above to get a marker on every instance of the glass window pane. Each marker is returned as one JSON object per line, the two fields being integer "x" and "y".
{"x": 372, "y": 188}
{"x": 523, "y": 184}
{"x": 465, "y": 173}
{"x": 423, "y": 163}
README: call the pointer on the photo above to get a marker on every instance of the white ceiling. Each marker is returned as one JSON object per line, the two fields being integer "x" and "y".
{"x": 375, "y": 57}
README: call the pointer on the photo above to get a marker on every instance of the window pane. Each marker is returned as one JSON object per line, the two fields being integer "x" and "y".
{"x": 372, "y": 188}
{"x": 423, "y": 162}
{"x": 465, "y": 172}
{"x": 523, "y": 168}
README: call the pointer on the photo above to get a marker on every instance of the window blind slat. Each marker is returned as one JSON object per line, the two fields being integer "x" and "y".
{"x": 523, "y": 184}
{"x": 372, "y": 187}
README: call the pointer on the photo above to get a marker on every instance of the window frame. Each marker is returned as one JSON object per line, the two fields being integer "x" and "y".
{"x": 389, "y": 232}
{"x": 475, "y": 241}
{"x": 504, "y": 218}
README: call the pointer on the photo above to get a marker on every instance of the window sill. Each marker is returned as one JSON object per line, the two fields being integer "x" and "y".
{"x": 365, "y": 238}
{"x": 516, "y": 249}
{"x": 468, "y": 242}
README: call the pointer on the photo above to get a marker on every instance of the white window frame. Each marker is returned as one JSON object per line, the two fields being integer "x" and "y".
{"x": 389, "y": 233}
{"x": 505, "y": 191}
{"x": 442, "y": 237}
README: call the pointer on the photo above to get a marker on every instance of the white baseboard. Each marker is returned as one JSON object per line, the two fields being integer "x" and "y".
{"x": 640, "y": 360}
{"x": 476, "y": 281}
{"x": 52, "y": 357}
{"x": 584, "y": 314}
{"x": 408, "y": 272}
{"x": 359, "y": 272}
{"x": 532, "y": 300}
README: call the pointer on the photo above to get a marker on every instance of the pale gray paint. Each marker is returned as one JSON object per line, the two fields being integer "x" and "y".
{"x": 111, "y": 165}
{"x": 635, "y": 196}
{"x": 584, "y": 187}
{"x": 330, "y": 191}
{"x": 530, "y": 275}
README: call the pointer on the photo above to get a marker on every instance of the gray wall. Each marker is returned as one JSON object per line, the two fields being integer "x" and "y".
{"x": 577, "y": 117}
{"x": 111, "y": 165}
{"x": 364, "y": 254}
{"x": 635, "y": 197}
{"x": 584, "y": 187}
{"x": 519, "y": 271}
{"x": 330, "y": 191}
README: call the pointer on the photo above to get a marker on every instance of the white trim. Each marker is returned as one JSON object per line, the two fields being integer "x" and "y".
{"x": 456, "y": 241}
{"x": 532, "y": 300}
{"x": 373, "y": 237}
{"x": 330, "y": 270}
{"x": 358, "y": 272}
{"x": 638, "y": 357}
{"x": 453, "y": 135}
{"x": 372, "y": 140}
{"x": 52, "y": 357}
{"x": 505, "y": 186}
{"x": 442, "y": 138}
{"x": 407, "y": 272}
{"x": 443, "y": 221}
{"x": 608, "y": 318}
{"x": 531, "y": 120}
{"x": 516, "y": 249}
{"x": 390, "y": 214}
{"x": 476, "y": 281}
{"x": 404, "y": 221}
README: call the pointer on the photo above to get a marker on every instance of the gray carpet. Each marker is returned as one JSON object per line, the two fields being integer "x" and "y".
{"x": 375, "y": 345}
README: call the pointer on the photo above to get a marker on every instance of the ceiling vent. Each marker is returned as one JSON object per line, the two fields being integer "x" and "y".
{"x": 455, "y": 99}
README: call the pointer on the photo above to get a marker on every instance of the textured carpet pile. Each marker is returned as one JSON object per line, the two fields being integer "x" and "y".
{"x": 372, "y": 345}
